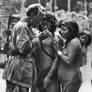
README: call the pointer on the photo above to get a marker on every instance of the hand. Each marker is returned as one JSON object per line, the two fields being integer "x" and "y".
{"x": 44, "y": 35}
{"x": 46, "y": 81}
{"x": 56, "y": 45}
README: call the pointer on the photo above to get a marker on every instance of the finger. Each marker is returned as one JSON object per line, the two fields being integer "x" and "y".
{"x": 44, "y": 85}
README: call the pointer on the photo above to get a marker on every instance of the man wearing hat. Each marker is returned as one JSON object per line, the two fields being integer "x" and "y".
{"x": 19, "y": 69}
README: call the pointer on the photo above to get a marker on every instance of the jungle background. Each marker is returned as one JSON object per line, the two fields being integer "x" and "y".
{"x": 81, "y": 10}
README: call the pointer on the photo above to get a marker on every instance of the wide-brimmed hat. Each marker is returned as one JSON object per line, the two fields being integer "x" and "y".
{"x": 35, "y": 9}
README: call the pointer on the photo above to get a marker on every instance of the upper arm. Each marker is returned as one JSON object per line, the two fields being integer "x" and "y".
{"x": 21, "y": 37}
{"x": 72, "y": 50}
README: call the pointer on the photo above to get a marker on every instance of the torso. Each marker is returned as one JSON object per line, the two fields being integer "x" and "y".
{"x": 70, "y": 72}
{"x": 44, "y": 61}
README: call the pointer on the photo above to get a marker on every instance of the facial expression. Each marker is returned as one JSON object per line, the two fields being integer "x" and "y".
{"x": 82, "y": 37}
{"x": 34, "y": 21}
{"x": 46, "y": 25}
{"x": 66, "y": 34}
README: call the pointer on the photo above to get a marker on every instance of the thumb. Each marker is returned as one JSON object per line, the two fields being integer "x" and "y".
{"x": 45, "y": 84}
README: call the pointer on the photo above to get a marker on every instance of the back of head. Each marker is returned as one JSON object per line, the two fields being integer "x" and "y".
{"x": 35, "y": 14}
{"x": 35, "y": 9}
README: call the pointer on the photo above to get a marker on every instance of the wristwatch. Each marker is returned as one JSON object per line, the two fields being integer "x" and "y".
{"x": 59, "y": 53}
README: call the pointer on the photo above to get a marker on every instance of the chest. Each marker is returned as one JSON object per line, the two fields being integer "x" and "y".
{"x": 46, "y": 48}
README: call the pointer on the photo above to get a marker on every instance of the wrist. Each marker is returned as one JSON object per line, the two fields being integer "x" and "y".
{"x": 59, "y": 53}
{"x": 48, "y": 76}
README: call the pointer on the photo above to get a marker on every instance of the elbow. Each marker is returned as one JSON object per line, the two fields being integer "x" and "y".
{"x": 68, "y": 62}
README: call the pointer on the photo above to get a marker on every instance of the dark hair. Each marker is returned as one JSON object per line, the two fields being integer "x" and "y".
{"x": 33, "y": 9}
{"x": 51, "y": 19}
{"x": 72, "y": 26}
{"x": 60, "y": 23}
{"x": 88, "y": 37}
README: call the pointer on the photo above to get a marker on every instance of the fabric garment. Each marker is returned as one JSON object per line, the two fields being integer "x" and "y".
{"x": 20, "y": 67}
{"x": 19, "y": 71}
{"x": 53, "y": 86}
{"x": 11, "y": 87}
{"x": 71, "y": 86}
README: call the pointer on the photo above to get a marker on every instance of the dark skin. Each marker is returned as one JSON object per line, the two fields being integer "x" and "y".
{"x": 57, "y": 48}
{"x": 44, "y": 63}
{"x": 57, "y": 42}
{"x": 71, "y": 54}
{"x": 67, "y": 64}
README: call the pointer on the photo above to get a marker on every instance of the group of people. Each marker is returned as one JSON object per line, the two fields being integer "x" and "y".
{"x": 46, "y": 55}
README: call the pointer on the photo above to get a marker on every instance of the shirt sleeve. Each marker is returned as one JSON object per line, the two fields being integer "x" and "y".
{"x": 22, "y": 39}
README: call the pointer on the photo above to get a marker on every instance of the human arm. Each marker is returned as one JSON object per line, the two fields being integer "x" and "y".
{"x": 55, "y": 41}
{"x": 69, "y": 57}
{"x": 24, "y": 41}
{"x": 51, "y": 72}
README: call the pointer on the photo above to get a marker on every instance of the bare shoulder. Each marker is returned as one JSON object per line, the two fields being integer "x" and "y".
{"x": 76, "y": 42}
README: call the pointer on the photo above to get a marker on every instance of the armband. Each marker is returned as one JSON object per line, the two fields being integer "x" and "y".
{"x": 59, "y": 53}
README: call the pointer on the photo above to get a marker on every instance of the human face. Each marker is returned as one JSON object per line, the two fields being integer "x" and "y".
{"x": 46, "y": 25}
{"x": 82, "y": 37}
{"x": 66, "y": 34}
{"x": 35, "y": 20}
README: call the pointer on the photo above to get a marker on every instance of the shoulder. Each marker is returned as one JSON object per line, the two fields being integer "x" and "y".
{"x": 20, "y": 25}
{"x": 75, "y": 42}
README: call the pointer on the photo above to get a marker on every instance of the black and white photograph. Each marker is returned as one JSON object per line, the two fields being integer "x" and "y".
{"x": 45, "y": 45}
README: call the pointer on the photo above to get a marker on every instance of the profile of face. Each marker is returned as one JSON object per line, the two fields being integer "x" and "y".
{"x": 66, "y": 34}
{"x": 69, "y": 29}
